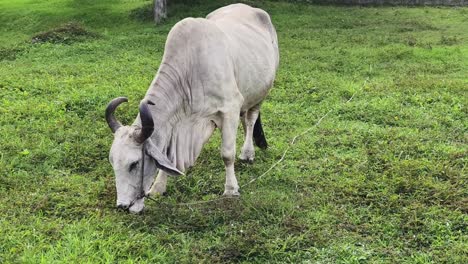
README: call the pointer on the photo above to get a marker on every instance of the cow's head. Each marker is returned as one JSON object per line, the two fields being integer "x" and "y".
{"x": 134, "y": 157}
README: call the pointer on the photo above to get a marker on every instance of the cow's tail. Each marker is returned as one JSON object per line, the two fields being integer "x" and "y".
{"x": 258, "y": 135}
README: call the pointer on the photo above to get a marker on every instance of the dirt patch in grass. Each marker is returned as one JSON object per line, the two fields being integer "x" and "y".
{"x": 68, "y": 33}
{"x": 448, "y": 40}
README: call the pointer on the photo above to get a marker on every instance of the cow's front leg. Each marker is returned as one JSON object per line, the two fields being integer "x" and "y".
{"x": 159, "y": 185}
{"x": 228, "y": 152}
{"x": 248, "y": 150}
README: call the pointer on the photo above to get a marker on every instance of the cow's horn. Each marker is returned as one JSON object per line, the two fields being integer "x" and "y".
{"x": 147, "y": 124}
{"x": 110, "y": 118}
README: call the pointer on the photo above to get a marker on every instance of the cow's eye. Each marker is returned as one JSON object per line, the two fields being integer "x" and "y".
{"x": 133, "y": 166}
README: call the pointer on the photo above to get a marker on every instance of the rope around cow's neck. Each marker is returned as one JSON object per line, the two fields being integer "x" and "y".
{"x": 277, "y": 162}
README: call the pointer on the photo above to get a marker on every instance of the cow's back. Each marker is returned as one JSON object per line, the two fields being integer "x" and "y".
{"x": 232, "y": 52}
{"x": 253, "y": 46}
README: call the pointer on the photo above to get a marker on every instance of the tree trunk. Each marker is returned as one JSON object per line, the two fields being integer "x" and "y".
{"x": 160, "y": 11}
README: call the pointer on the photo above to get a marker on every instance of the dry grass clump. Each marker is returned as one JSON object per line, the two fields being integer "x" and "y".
{"x": 65, "y": 34}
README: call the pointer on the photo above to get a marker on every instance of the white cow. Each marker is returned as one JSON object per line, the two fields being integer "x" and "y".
{"x": 214, "y": 72}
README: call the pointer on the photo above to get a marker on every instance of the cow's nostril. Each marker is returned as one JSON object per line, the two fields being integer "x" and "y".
{"x": 123, "y": 206}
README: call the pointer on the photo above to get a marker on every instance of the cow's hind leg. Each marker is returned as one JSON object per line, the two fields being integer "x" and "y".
{"x": 250, "y": 118}
{"x": 228, "y": 152}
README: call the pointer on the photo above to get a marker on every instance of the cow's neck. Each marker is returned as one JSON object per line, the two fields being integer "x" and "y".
{"x": 171, "y": 103}
{"x": 169, "y": 108}
{"x": 178, "y": 133}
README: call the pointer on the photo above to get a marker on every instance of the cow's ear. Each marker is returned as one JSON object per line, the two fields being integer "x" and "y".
{"x": 162, "y": 162}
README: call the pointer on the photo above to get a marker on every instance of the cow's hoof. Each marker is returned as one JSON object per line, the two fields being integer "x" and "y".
{"x": 231, "y": 193}
{"x": 246, "y": 160}
{"x": 247, "y": 156}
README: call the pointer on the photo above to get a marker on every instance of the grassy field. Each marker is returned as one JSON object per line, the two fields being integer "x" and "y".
{"x": 381, "y": 180}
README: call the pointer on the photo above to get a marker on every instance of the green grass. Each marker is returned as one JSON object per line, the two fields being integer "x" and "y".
{"x": 382, "y": 180}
